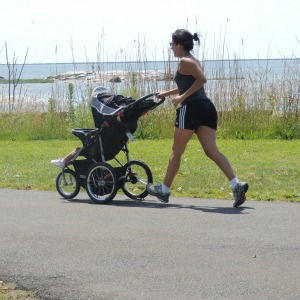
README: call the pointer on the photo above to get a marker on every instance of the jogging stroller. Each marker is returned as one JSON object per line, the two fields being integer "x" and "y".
{"x": 115, "y": 119}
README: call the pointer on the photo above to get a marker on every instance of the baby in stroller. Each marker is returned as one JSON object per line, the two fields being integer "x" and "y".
{"x": 104, "y": 96}
{"x": 115, "y": 119}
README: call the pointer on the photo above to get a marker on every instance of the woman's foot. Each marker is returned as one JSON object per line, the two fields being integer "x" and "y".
{"x": 155, "y": 190}
{"x": 239, "y": 193}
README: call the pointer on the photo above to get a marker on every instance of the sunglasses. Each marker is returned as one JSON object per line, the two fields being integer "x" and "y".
{"x": 171, "y": 44}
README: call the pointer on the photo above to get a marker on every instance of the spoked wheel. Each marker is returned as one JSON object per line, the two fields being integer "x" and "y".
{"x": 101, "y": 183}
{"x": 137, "y": 176}
{"x": 67, "y": 184}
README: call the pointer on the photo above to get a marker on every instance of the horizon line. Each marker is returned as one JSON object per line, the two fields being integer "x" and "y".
{"x": 150, "y": 61}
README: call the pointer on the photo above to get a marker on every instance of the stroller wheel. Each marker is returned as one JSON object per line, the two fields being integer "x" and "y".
{"x": 67, "y": 184}
{"x": 137, "y": 176}
{"x": 101, "y": 183}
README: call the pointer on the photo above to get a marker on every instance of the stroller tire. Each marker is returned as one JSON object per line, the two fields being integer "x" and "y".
{"x": 101, "y": 183}
{"x": 67, "y": 184}
{"x": 137, "y": 176}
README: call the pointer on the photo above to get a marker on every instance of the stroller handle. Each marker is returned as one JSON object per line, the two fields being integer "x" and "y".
{"x": 140, "y": 100}
{"x": 151, "y": 95}
{"x": 162, "y": 100}
{"x": 113, "y": 112}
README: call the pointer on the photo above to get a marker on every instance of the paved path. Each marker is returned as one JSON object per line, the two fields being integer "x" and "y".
{"x": 188, "y": 249}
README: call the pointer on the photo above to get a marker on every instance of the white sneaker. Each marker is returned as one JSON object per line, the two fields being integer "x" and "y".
{"x": 155, "y": 190}
{"x": 239, "y": 193}
{"x": 58, "y": 162}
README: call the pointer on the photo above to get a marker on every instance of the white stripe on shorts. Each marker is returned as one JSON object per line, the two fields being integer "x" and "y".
{"x": 181, "y": 116}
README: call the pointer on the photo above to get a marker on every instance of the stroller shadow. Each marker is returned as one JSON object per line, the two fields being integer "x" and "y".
{"x": 158, "y": 205}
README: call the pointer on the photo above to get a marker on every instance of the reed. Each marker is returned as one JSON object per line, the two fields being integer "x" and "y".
{"x": 254, "y": 105}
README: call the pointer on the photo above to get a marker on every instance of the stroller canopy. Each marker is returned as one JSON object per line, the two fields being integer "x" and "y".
{"x": 103, "y": 101}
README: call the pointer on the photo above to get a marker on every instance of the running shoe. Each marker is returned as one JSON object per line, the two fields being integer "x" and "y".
{"x": 155, "y": 190}
{"x": 239, "y": 193}
{"x": 58, "y": 162}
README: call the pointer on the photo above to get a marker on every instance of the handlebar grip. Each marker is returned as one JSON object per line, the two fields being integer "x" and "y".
{"x": 161, "y": 101}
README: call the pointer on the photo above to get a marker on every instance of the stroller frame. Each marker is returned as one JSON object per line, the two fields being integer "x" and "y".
{"x": 101, "y": 144}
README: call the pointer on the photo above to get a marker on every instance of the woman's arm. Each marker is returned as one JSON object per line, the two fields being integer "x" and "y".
{"x": 167, "y": 93}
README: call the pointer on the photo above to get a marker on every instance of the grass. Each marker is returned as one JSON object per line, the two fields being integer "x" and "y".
{"x": 9, "y": 292}
{"x": 6, "y": 81}
{"x": 270, "y": 166}
{"x": 243, "y": 125}
{"x": 262, "y": 105}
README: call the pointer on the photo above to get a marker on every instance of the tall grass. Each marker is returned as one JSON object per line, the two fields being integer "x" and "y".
{"x": 260, "y": 104}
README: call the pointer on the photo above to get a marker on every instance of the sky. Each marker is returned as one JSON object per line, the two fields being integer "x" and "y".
{"x": 116, "y": 30}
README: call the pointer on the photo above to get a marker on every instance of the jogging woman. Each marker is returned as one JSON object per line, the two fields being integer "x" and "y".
{"x": 195, "y": 113}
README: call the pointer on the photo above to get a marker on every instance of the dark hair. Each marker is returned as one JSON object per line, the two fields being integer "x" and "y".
{"x": 185, "y": 38}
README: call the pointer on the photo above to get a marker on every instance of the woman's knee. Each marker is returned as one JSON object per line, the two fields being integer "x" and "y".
{"x": 175, "y": 154}
{"x": 212, "y": 153}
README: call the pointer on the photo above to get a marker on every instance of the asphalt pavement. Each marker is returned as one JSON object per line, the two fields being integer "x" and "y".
{"x": 187, "y": 249}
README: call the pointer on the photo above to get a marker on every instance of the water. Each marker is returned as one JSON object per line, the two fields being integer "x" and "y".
{"x": 42, "y": 71}
{"x": 214, "y": 70}
{"x": 44, "y": 91}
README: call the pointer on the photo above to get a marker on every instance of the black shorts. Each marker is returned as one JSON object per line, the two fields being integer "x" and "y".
{"x": 197, "y": 113}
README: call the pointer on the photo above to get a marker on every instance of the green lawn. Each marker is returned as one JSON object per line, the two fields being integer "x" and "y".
{"x": 271, "y": 167}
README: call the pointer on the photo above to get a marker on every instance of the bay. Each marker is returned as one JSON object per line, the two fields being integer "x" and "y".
{"x": 212, "y": 67}
{"x": 271, "y": 70}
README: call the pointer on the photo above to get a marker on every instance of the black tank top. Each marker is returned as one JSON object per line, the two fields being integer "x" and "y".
{"x": 184, "y": 82}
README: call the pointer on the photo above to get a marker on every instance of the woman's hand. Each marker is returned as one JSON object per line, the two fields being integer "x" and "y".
{"x": 165, "y": 94}
{"x": 160, "y": 95}
{"x": 176, "y": 101}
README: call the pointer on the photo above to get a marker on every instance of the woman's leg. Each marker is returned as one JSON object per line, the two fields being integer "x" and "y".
{"x": 207, "y": 138}
{"x": 181, "y": 138}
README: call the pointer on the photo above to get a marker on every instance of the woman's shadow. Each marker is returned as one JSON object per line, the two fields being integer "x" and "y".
{"x": 228, "y": 210}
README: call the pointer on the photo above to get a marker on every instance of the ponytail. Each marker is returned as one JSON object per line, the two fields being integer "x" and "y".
{"x": 196, "y": 38}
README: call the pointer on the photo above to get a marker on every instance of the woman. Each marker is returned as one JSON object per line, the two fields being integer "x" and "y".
{"x": 195, "y": 113}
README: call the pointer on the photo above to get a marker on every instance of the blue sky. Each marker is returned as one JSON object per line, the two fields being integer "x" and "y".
{"x": 112, "y": 30}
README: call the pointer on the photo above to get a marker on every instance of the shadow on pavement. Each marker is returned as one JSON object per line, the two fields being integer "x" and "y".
{"x": 229, "y": 210}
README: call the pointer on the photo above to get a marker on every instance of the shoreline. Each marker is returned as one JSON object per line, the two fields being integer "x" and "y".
{"x": 156, "y": 61}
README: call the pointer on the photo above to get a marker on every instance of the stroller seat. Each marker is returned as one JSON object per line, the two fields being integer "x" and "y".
{"x": 81, "y": 133}
{"x": 86, "y": 135}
